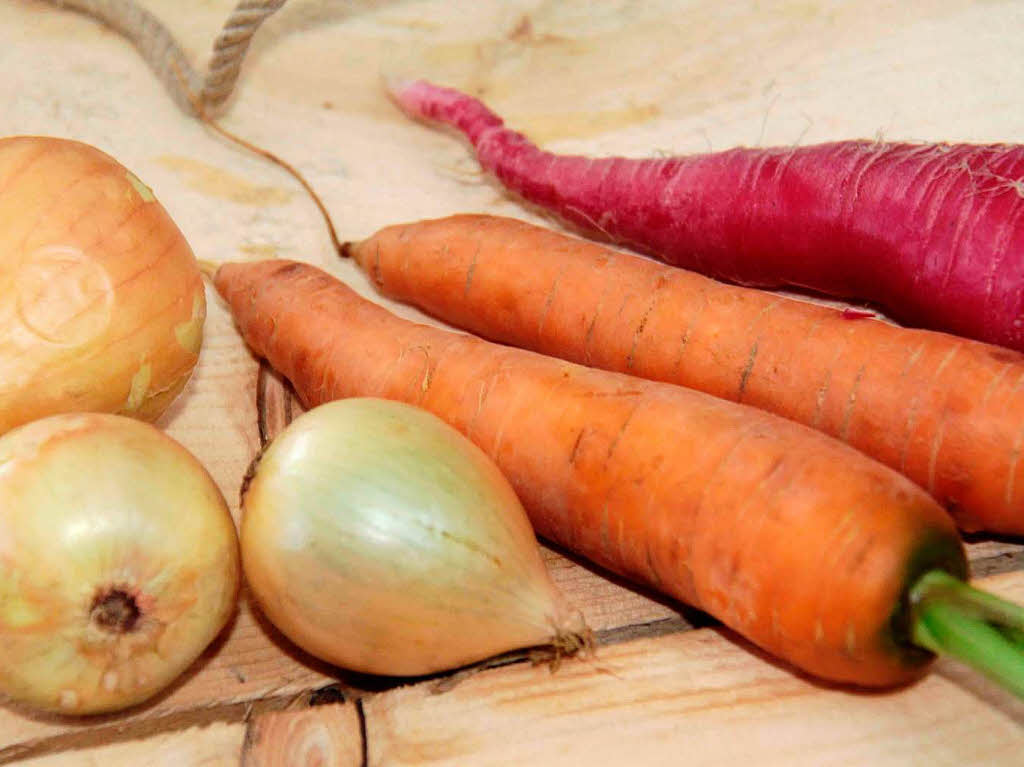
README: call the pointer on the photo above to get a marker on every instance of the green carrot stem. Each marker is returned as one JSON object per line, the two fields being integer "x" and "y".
{"x": 953, "y": 618}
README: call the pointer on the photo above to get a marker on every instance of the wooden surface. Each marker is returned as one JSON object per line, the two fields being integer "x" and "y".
{"x": 616, "y": 77}
{"x": 215, "y": 745}
{"x": 697, "y": 694}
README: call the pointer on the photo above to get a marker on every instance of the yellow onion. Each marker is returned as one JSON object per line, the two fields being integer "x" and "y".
{"x": 119, "y": 562}
{"x": 379, "y": 539}
{"x": 101, "y": 299}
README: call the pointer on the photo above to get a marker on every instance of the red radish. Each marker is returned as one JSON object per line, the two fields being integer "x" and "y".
{"x": 934, "y": 233}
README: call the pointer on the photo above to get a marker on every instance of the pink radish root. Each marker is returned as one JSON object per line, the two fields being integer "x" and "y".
{"x": 933, "y": 233}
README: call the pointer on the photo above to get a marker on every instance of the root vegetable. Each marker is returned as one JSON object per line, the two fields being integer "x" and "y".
{"x": 946, "y": 412}
{"x": 932, "y": 232}
{"x": 118, "y": 562}
{"x": 101, "y": 300}
{"x": 795, "y": 540}
{"x": 378, "y": 538}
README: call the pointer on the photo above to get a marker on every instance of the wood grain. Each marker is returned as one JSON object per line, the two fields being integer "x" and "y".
{"x": 614, "y": 78}
{"x": 215, "y": 745}
{"x": 325, "y": 736}
{"x": 699, "y": 698}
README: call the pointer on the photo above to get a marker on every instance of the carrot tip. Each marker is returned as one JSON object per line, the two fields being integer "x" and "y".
{"x": 208, "y": 268}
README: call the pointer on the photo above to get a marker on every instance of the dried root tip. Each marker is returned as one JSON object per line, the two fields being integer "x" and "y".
{"x": 565, "y": 644}
{"x": 115, "y": 610}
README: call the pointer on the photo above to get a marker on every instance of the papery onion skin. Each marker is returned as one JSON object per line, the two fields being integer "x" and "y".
{"x": 99, "y": 505}
{"x": 102, "y": 302}
{"x": 381, "y": 540}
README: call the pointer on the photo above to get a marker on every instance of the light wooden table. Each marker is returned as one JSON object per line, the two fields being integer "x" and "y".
{"x": 634, "y": 78}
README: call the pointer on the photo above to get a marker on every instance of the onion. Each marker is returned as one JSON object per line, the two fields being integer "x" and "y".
{"x": 119, "y": 562}
{"x": 378, "y": 538}
{"x": 101, "y": 300}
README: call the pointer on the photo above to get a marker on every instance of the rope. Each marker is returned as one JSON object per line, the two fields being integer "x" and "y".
{"x": 193, "y": 94}
{"x": 197, "y": 96}
{"x": 230, "y": 46}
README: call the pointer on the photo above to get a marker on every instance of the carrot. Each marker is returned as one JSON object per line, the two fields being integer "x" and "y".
{"x": 946, "y": 412}
{"x": 932, "y": 232}
{"x": 807, "y": 547}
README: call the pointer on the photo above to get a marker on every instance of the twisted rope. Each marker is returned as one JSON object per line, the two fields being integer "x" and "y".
{"x": 230, "y": 47}
{"x": 197, "y": 96}
{"x": 193, "y": 94}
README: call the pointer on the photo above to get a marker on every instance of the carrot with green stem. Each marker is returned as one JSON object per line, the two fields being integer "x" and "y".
{"x": 946, "y": 412}
{"x": 800, "y": 543}
{"x": 932, "y": 232}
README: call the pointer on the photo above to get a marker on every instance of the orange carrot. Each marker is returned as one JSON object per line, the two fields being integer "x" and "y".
{"x": 946, "y": 412}
{"x": 800, "y": 543}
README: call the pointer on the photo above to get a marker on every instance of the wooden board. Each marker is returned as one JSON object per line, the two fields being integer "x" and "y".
{"x": 215, "y": 745}
{"x": 615, "y": 77}
{"x": 702, "y": 697}
{"x": 325, "y": 736}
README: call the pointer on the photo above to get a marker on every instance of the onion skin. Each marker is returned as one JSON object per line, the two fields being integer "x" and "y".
{"x": 95, "y": 508}
{"x": 381, "y": 540}
{"x": 102, "y": 302}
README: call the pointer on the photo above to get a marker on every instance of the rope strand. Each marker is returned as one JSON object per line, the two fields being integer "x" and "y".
{"x": 230, "y": 47}
{"x": 165, "y": 56}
